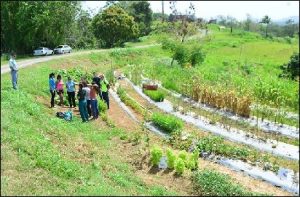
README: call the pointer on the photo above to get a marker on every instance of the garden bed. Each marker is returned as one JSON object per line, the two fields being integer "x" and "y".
{"x": 272, "y": 146}
{"x": 288, "y": 181}
{"x": 265, "y": 125}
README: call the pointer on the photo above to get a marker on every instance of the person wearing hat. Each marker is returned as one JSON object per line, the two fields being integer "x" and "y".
{"x": 94, "y": 102}
{"x": 104, "y": 86}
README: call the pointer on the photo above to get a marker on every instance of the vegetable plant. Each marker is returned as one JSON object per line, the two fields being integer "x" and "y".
{"x": 168, "y": 123}
{"x": 171, "y": 158}
{"x": 155, "y": 95}
{"x": 156, "y": 153}
{"x": 179, "y": 166}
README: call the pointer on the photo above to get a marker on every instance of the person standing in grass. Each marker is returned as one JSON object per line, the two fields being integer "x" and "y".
{"x": 104, "y": 86}
{"x": 70, "y": 85}
{"x": 87, "y": 97}
{"x": 60, "y": 89}
{"x": 13, "y": 70}
{"x": 52, "y": 88}
{"x": 81, "y": 96}
{"x": 96, "y": 80}
{"x": 94, "y": 102}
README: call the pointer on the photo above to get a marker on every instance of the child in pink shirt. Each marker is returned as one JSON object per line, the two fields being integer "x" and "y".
{"x": 60, "y": 89}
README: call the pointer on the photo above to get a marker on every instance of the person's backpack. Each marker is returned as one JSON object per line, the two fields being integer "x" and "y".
{"x": 68, "y": 116}
{"x": 60, "y": 114}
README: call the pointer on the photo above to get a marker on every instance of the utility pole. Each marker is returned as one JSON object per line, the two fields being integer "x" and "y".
{"x": 163, "y": 11}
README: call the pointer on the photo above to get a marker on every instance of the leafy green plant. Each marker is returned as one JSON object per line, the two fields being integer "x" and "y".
{"x": 192, "y": 162}
{"x": 217, "y": 145}
{"x": 102, "y": 106}
{"x": 171, "y": 158}
{"x": 168, "y": 123}
{"x": 156, "y": 153}
{"x": 155, "y": 95}
{"x": 179, "y": 166}
{"x": 183, "y": 155}
{"x": 209, "y": 182}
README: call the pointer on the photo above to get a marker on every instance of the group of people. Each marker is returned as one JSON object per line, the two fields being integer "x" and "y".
{"x": 86, "y": 94}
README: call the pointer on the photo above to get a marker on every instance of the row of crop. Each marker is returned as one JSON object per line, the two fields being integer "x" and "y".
{"x": 129, "y": 101}
{"x": 214, "y": 144}
{"x": 210, "y": 144}
{"x": 221, "y": 99}
{"x": 182, "y": 161}
{"x": 205, "y": 182}
{"x": 155, "y": 95}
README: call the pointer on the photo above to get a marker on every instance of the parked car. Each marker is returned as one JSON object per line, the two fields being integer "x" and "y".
{"x": 62, "y": 49}
{"x": 43, "y": 51}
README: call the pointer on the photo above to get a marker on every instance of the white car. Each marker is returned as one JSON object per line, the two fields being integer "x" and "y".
{"x": 43, "y": 51}
{"x": 62, "y": 49}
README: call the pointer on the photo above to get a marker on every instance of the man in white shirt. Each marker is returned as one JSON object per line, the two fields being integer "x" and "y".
{"x": 13, "y": 70}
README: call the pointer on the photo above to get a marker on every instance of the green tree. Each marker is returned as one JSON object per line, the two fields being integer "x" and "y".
{"x": 142, "y": 14}
{"x": 248, "y": 22}
{"x": 266, "y": 20}
{"x": 31, "y": 24}
{"x": 114, "y": 26}
{"x": 83, "y": 36}
{"x": 231, "y": 22}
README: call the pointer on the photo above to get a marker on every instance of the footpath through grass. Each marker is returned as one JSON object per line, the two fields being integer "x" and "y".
{"x": 52, "y": 156}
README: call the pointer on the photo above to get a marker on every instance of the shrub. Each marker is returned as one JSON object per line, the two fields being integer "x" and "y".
{"x": 197, "y": 56}
{"x": 179, "y": 166}
{"x": 171, "y": 158}
{"x": 212, "y": 183}
{"x": 156, "y": 154}
{"x": 168, "y": 123}
{"x": 155, "y": 95}
{"x": 291, "y": 69}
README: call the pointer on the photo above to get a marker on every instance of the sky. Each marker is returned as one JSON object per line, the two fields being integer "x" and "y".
{"x": 210, "y": 9}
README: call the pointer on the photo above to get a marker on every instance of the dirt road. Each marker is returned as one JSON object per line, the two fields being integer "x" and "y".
{"x": 25, "y": 63}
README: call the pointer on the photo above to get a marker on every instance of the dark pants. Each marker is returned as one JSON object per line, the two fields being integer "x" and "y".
{"x": 105, "y": 98}
{"x": 88, "y": 105}
{"x": 94, "y": 105}
{"x": 52, "y": 97}
{"x": 71, "y": 99}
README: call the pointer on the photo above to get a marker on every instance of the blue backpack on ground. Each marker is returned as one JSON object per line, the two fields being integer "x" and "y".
{"x": 68, "y": 116}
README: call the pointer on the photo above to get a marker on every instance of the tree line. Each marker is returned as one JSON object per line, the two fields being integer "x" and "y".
{"x": 265, "y": 26}
{"x": 28, "y": 25}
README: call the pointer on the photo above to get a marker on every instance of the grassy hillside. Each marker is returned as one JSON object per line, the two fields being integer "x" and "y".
{"x": 43, "y": 155}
